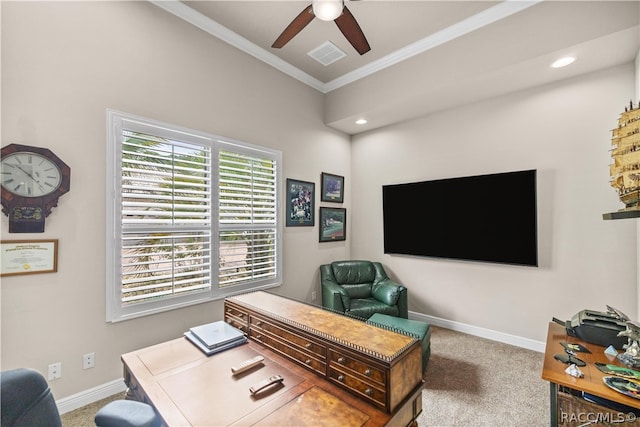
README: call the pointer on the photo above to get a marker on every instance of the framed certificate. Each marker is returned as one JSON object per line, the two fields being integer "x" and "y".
{"x": 28, "y": 257}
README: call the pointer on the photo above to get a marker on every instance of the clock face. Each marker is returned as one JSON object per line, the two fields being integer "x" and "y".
{"x": 29, "y": 174}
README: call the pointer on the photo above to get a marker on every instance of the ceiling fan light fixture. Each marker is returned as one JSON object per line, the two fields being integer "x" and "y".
{"x": 327, "y": 10}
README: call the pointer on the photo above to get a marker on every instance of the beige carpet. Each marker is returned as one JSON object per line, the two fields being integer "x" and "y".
{"x": 476, "y": 382}
{"x": 470, "y": 381}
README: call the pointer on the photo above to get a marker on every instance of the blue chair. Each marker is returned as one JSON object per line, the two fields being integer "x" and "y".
{"x": 27, "y": 401}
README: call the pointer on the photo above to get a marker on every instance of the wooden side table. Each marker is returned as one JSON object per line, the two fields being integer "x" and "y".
{"x": 568, "y": 407}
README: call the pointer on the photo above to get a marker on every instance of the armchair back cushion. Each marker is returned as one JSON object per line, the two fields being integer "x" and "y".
{"x": 360, "y": 289}
{"x": 27, "y": 400}
{"x": 356, "y": 277}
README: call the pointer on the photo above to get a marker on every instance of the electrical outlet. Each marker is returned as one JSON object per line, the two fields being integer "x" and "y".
{"x": 314, "y": 295}
{"x": 55, "y": 371}
{"x": 88, "y": 360}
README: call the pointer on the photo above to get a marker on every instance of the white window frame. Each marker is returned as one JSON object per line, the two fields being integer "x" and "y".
{"x": 117, "y": 122}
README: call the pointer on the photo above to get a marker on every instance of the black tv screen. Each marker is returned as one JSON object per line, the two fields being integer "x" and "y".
{"x": 488, "y": 218}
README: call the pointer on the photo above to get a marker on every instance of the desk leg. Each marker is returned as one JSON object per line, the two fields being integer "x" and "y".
{"x": 553, "y": 397}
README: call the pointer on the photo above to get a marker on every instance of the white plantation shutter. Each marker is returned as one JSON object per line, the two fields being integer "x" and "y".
{"x": 173, "y": 262}
{"x": 166, "y": 217}
{"x": 194, "y": 217}
{"x": 247, "y": 223}
{"x": 164, "y": 182}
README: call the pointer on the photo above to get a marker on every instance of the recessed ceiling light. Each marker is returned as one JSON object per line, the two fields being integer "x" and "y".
{"x": 563, "y": 62}
{"x": 361, "y": 121}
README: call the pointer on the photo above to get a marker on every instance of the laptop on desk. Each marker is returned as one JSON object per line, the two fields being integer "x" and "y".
{"x": 216, "y": 334}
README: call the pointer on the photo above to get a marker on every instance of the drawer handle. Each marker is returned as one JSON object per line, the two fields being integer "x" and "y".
{"x": 340, "y": 359}
{"x": 308, "y": 361}
{"x": 258, "y": 323}
{"x": 258, "y": 337}
{"x": 368, "y": 372}
{"x": 308, "y": 345}
{"x": 341, "y": 378}
{"x": 368, "y": 392}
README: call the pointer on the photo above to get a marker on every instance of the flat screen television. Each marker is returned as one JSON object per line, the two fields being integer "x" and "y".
{"x": 487, "y": 218}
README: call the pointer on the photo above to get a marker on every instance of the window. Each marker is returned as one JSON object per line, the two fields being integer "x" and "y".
{"x": 191, "y": 217}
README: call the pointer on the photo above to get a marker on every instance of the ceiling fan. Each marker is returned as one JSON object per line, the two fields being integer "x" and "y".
{"x": 327, "y": 10}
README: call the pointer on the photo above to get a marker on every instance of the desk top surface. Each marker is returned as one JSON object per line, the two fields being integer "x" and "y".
{"x": 188, "y": 388}
{"x": 373, "y": 340}
{"x": 553, "y": 370}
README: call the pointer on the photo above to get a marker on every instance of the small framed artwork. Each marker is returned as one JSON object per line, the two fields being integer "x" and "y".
{"x": 333, "y": 224}
{"x": 300, "y": 203}
{"x": 332, "y": 188}
{"x": 28, "y": 257}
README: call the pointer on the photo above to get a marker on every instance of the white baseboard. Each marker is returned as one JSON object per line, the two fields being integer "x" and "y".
{"x": 86, "y": 397}
{"x": 480, "y": 332}
{"x": 78, "y": 400}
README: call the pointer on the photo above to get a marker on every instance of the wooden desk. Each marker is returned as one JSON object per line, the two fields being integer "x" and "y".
{"x": 343, "y": 378}
{"x": 567, "y": 406}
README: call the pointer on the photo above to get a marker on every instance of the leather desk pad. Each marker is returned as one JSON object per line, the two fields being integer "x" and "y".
{"x": 208, "y": 395}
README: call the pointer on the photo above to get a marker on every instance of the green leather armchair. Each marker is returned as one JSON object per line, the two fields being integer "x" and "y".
{"x": 360, "y": 289}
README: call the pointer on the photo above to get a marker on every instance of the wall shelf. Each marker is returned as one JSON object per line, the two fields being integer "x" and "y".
{"x": 622, "y": 214}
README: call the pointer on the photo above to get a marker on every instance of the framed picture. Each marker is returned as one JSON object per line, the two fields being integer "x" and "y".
{"x": 28, "y": 257}
{"x": 300, "y": 203}
{"x": 332, "y": 188}
{"x": 333, "y": 224}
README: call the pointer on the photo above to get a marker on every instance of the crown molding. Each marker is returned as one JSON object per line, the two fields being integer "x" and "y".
{"x": 210, "y": 26}
{"x": 477, "y": 21}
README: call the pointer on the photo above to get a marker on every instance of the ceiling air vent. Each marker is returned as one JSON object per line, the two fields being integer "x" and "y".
{"x": 327, "y": 53}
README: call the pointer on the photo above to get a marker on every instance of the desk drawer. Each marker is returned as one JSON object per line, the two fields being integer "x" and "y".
{"x": 236, "y": 317}
{"x": 363, "y": 389}
{"x": 305, "y": 344}
{"x": 371, "y": 373}
{"x": 306, "y": 359}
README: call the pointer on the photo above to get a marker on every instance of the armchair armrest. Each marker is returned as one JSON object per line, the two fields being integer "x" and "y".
{"x": 387, "y": 292}
{"x": 392, "y": 293}
{"x": 334, "y": 296}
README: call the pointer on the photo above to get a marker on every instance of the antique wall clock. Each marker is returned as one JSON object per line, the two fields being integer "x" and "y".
{"x": 32, "y": 180}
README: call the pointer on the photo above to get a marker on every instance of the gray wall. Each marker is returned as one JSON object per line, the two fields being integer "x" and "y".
{"x": 563, "y": 131}
{"x": 63, "y": 65}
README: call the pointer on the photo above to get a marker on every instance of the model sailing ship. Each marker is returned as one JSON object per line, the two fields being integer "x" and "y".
{"x": 625, "y": 169}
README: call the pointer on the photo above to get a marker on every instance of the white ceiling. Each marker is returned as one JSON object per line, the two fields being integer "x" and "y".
{"x": 417, "y": 47}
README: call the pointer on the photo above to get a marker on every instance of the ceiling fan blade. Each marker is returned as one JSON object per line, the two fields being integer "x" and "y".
{"x": 298, "y": 23}
{"x": 352, "y": 31}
